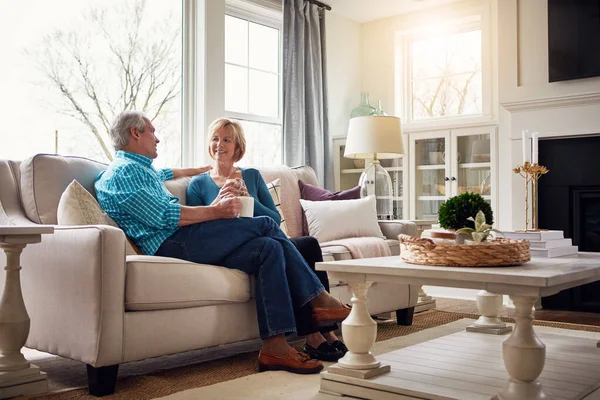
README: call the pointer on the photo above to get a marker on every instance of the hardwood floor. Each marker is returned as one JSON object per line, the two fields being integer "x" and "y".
{"x": 573, "y": 317}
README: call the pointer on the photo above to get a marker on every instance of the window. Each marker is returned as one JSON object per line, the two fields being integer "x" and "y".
{"x": 446, "y": 76}
{"x": 442, "y": 76}
{"x": 253, "y": 87}
{"x": 71, "y": 66}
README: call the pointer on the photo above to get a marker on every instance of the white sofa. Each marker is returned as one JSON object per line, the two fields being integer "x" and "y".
{"x": 91, "y": 302}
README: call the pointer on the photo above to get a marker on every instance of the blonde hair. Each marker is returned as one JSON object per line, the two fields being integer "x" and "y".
{"x": 235, "y": 130}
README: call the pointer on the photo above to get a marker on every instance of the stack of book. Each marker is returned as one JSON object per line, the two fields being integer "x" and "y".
{"x": 545, "y": 244}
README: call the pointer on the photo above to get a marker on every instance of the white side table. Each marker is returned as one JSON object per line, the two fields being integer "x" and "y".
{"x": 17, "y": 375}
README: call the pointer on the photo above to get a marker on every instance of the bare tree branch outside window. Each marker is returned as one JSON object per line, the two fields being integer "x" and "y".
{"x": 446, "y": 76}
{"x": 114, "y": 59}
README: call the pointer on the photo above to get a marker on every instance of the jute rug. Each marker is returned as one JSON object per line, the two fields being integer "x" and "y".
{"x": 162, "y": 379}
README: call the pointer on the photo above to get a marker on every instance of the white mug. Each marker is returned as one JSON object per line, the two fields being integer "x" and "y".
{"x": 247, "y": 209}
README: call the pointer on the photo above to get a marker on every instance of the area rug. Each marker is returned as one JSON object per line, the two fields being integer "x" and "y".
{"x": 277, "y": 385}
{"x": 155, "y": 378}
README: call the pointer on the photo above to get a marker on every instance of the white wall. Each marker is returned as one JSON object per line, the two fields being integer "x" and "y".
{"x": 529, "y": 101}
{"x": 343, "y": 70}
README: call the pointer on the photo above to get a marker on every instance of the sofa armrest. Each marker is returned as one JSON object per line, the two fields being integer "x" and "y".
{"x": 391, "y": 229}
{"x": 73, "y": 287}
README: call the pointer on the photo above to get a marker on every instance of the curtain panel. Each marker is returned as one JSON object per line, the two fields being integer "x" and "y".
{"x": 306, "y": 137}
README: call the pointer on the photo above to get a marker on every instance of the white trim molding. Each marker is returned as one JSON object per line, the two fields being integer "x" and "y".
{"x": 553, "y": 102}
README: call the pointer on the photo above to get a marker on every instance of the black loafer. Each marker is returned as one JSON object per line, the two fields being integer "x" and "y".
{"x": 339, "y": 346}
{"x": 325, "y": 352}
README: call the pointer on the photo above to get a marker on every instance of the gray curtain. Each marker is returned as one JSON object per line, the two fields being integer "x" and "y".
{"x": 306, "y": 137}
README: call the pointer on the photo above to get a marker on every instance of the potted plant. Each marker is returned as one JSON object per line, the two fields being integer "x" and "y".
{"x": 481, "y": 231}
{"x": 457, "y": 212}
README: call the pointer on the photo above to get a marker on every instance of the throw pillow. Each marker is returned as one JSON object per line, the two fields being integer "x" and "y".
{"x": 275, "y": 190}
{"x": 77, "y": 206}
{"x": 331, "y": 220}
{"x": 315, "y": 193}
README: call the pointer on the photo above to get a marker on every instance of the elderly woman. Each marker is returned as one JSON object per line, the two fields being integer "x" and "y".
{"x": 227, "y": 146}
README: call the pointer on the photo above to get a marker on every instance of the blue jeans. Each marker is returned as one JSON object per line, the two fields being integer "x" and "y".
{"x": 258, "y": 247}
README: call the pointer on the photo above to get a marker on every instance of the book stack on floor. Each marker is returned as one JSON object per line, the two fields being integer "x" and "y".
{"x": 545, "y": 244}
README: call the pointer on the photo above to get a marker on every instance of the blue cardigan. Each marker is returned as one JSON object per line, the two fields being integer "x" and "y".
{"x": 202, "y": 191}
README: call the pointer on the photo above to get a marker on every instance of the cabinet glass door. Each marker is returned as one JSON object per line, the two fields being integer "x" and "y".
{"x": 474, "y": 172}
{"x": 395, "y": 168}
{"x": 430, "y": 177}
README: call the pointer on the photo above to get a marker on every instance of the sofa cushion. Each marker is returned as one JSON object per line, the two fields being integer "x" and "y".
{"x": 315, "y": 193}
{"x": 290, "y": 194}
{"x": 178, "y": 188}
{"x": 44, "y": 178}
{"x": 77, "y": 206}
{"x": 275, "y": 191}
{"x": 331, "y": 220}
{"x": 160, "y": 283}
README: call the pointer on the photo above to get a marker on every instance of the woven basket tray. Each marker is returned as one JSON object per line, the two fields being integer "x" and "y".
{"x": 494, "y": 253}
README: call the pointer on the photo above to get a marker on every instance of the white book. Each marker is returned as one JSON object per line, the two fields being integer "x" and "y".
{"x": 550, "y": 244}
{"x": 556, "y": 252}
{"x": 536, "y": 236}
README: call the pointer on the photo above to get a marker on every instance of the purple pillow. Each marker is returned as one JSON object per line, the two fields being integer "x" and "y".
{"x": 315, "y": 193}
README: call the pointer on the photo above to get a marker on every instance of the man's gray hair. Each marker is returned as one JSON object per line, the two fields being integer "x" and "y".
{"x": 121, "y": 126}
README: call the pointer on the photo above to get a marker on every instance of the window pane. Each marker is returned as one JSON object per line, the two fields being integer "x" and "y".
{"x": 264, "y": 94}
{"x": 63, "y": 70}
{"x": 264, "y": 48}
{"x": 263, "y": 144}
{"x": 446, "y": 76}
{"x": 236, "y": 41}
{"x": 236, "y": 88}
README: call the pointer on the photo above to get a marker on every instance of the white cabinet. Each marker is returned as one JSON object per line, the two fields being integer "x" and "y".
{"x": 347, "y": 174}
{"x": 447, "y": 163}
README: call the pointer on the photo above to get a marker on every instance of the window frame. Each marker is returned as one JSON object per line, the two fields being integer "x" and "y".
{"x": 270, "y": 18}
{"x": 478, "y": 18}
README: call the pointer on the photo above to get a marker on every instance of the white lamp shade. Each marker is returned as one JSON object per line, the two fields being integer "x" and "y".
{"x": 374, "y": 135}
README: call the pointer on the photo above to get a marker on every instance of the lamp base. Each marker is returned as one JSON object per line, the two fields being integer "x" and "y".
{"x": 376, "y": 181}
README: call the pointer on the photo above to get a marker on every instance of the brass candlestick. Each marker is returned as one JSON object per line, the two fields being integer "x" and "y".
{"x": 531, "y": 173}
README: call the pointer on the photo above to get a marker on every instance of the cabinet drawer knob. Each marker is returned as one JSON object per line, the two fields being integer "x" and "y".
{"x": 446, "y": 179}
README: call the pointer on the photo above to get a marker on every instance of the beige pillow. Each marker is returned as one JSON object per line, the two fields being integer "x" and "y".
{"x": 78, "y": 207}
{"x": 275, "y": 189}
{"x": 339, "y": 219}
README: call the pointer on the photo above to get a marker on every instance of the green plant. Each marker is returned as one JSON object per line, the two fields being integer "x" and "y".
{"x": 481, "y": 231}
{"x": 455, "y": 212}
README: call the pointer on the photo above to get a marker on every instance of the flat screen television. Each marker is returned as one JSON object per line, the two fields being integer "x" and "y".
{"x": 573, "y": 39}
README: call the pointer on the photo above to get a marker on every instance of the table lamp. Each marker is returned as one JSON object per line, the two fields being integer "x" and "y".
{"x": 375, "y": 138}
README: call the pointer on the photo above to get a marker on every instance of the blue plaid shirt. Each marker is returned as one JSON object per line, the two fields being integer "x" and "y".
{"x": 133, "y": 193}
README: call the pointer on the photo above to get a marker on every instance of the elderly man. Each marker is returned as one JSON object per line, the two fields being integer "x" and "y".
{"x": 133, "y": 193}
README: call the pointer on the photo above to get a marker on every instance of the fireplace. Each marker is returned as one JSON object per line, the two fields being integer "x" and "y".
{"x": 570, "y": 201}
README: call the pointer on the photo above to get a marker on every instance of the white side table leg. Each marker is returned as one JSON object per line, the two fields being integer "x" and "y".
{"x": 489, "y": 306}
{"x": 17, "y": 376}
{"x": 524, "y": 355}
{"x": 359, "y": 332}
{"x": 422, "y": 295}
{"x": 424, "y": 301}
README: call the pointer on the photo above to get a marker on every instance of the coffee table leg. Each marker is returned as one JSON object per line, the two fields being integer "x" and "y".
{"x": 359, "y": 331}
{"x": 524, "y": 355}
{"x": 489, "y": 306}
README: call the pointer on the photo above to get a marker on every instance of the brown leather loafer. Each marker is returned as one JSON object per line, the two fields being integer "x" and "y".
{"x": 298, "y": 363}
{"x": 321, "y": 314}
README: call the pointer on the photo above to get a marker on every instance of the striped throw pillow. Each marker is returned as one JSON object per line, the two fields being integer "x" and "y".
{"x": 275, "y": 190}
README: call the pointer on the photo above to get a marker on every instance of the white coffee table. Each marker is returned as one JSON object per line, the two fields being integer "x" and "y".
{"x": 523, "y": 352}
{"x": 17, "y": 375}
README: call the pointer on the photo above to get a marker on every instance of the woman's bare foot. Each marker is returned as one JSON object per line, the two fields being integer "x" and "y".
{"x": 330, "y": 337}
{"x": 315, "y": 339}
